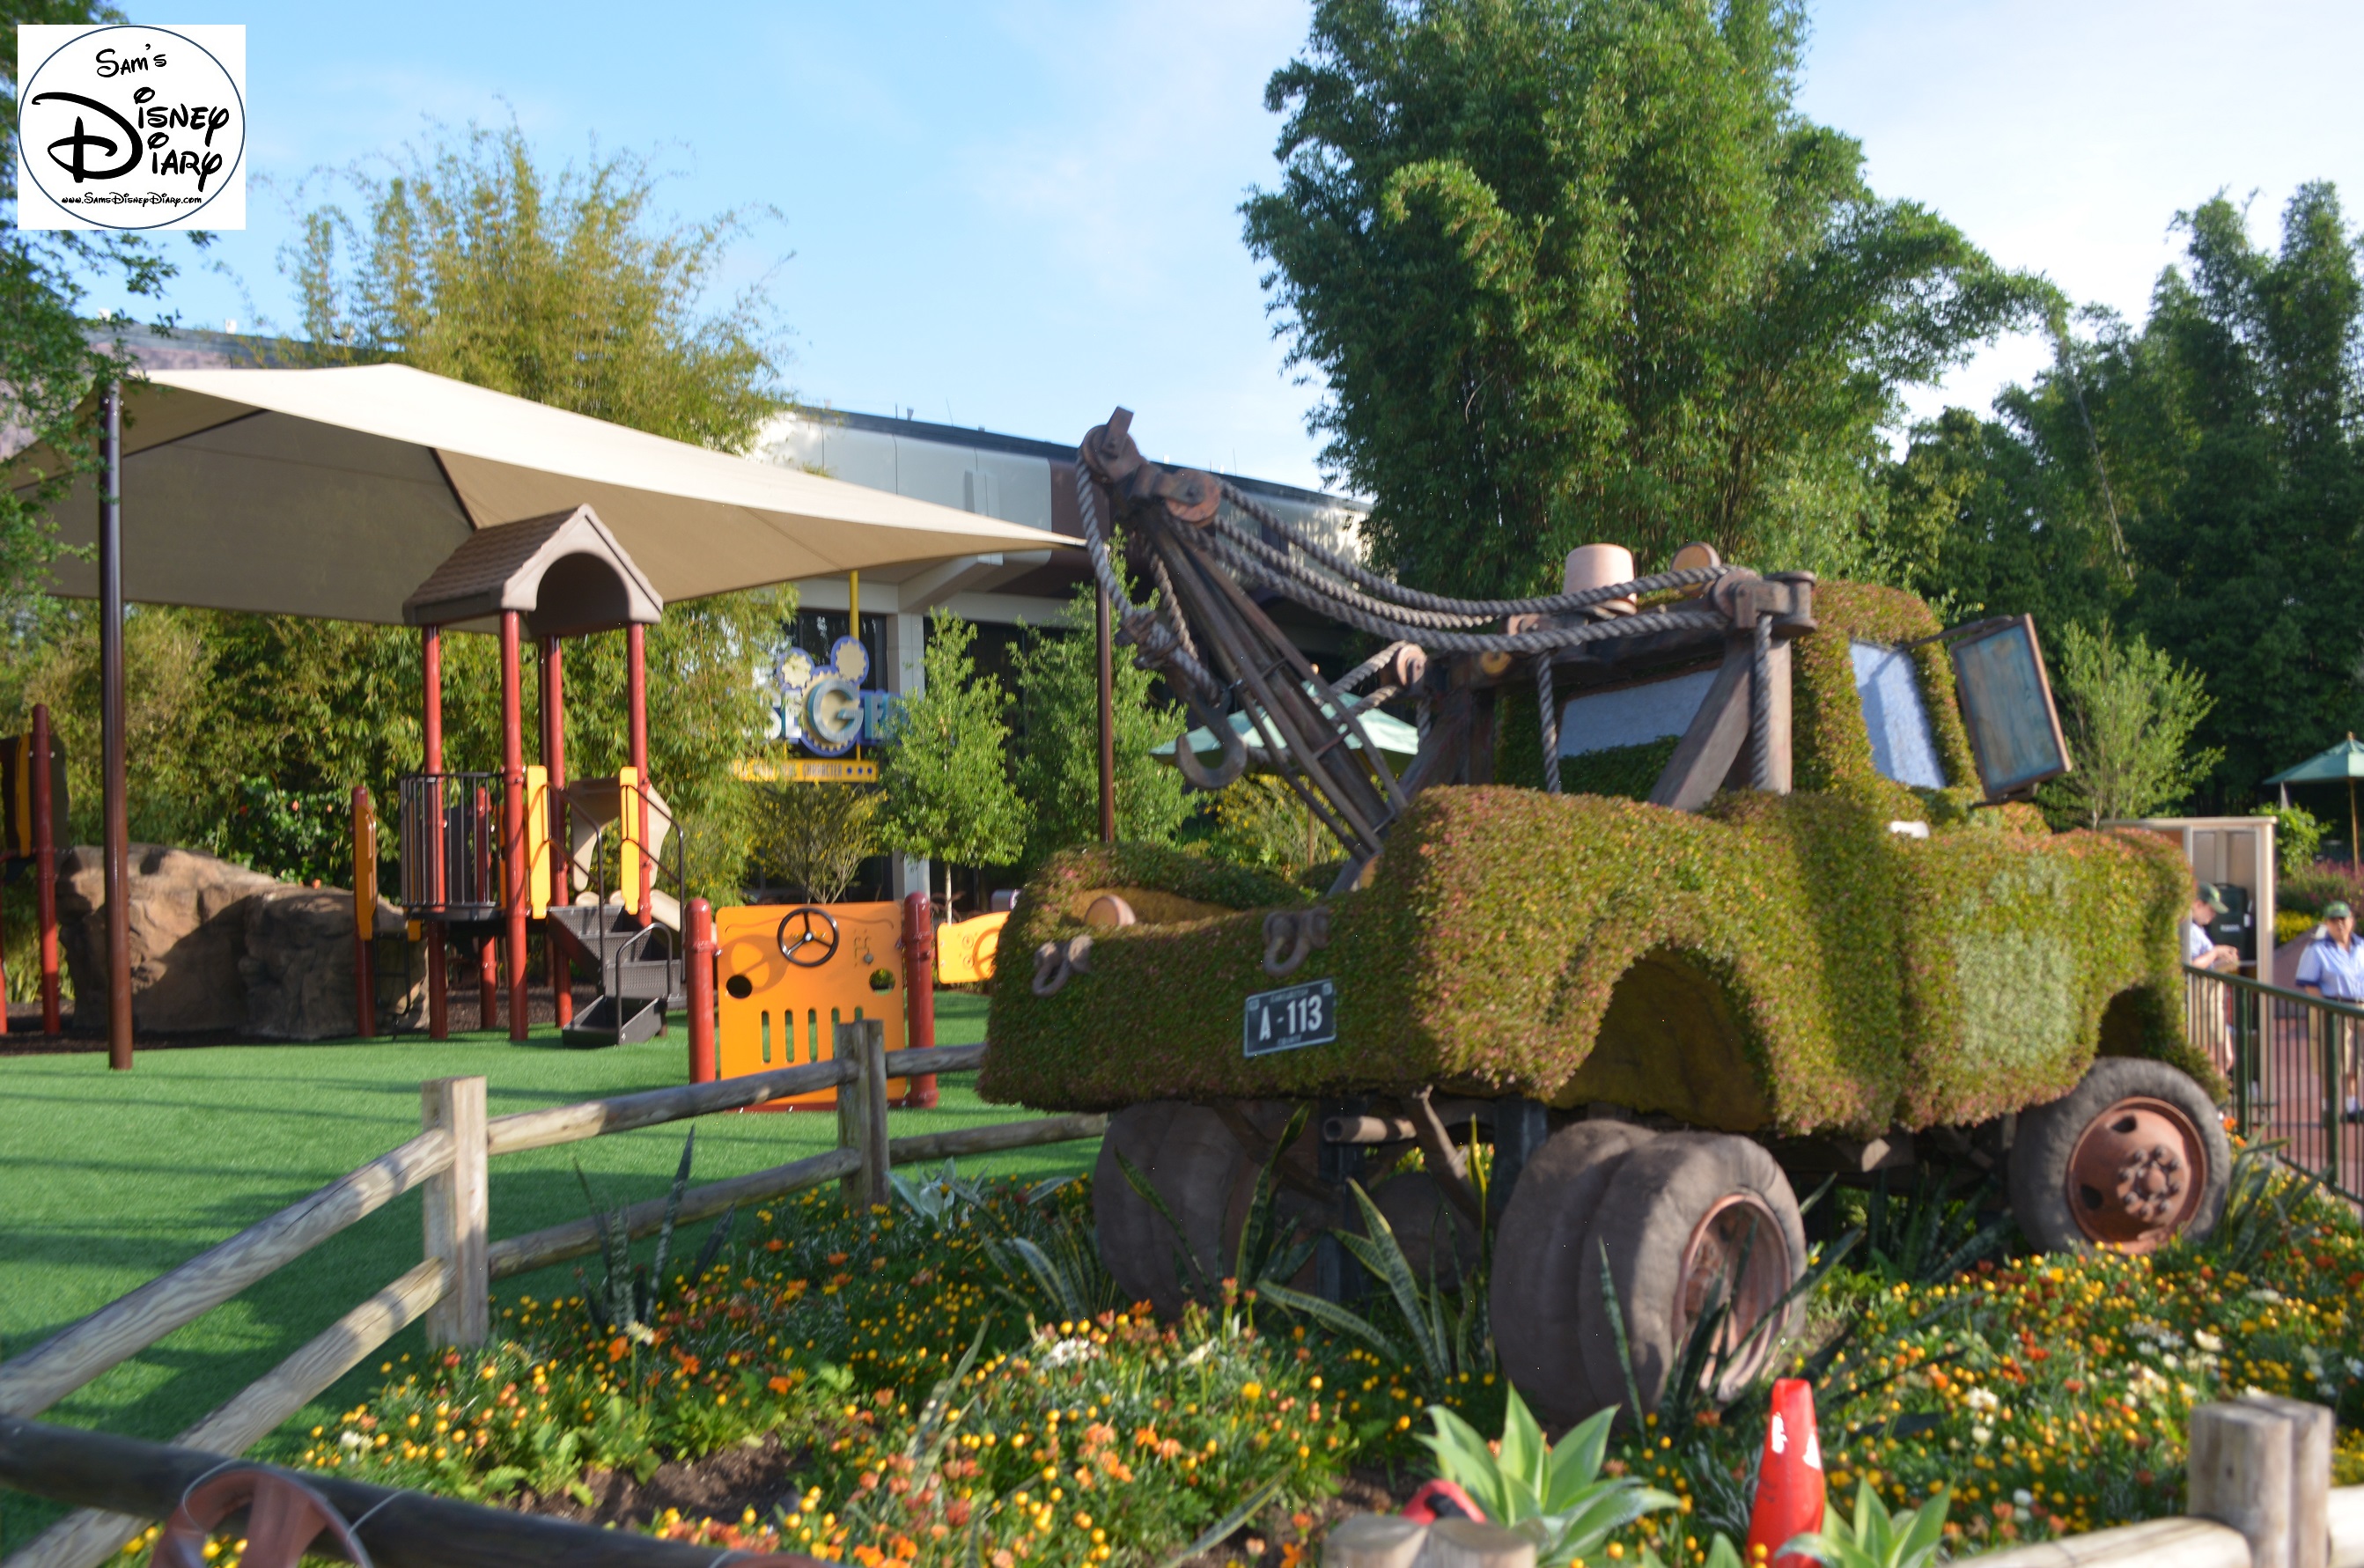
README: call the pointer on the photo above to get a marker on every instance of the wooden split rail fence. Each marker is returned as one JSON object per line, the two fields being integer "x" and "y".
{"x": 450, "y": 1287}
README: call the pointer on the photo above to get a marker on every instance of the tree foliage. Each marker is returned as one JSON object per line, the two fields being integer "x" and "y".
{"x": 50, "y": 357}
{"x": 2197, "y": 480}
{"x": 564, "y": 287}
{"x": 948, "y": 791}
{"x": 819, "y": 835}
{"x": 2129, "y": 711}
{"x": 1577, "y": 270}
{"x": 1057, "y": 673}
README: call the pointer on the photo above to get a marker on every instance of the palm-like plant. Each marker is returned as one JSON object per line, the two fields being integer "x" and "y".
{"x": 1553, "y": 1495}
{"x": 1877, "y": 1538}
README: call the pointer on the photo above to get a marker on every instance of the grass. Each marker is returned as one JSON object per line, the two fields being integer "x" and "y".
{"x": 110, "y": 1179}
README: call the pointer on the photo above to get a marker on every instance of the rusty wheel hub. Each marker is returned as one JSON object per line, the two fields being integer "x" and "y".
{"x": 2137, "y": 1174}
{"x": 1738, "y": 1254}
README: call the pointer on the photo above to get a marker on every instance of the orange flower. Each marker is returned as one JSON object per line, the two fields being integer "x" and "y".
{"x": 619, "y": 1348}
{"x": 779, "y": 1385}
{"x": 1292, "y": 1553}
{"x": 774, "y": 1245}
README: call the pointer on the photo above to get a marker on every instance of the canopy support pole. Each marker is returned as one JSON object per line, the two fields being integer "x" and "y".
{"x": 554, "y": 758}
{"x": 1108, "y": 716}
{"x": 45, "y": 869}
{"x": 117, "y": 803}
{"x": 438, "y": 980}
{"x": 636, "y": 703}
{"x": 513, "y": 817}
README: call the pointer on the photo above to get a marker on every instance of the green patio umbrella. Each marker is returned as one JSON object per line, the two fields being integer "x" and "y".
{"x": 2344, "y": 760}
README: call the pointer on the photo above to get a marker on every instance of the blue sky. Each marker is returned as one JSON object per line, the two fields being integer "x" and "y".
{"x": 1016, "y": 213}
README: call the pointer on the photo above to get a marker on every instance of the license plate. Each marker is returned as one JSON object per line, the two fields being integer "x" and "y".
{"x": 1290, "y": 1017}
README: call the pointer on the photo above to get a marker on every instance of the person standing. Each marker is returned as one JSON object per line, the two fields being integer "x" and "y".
{"x": 2203, "y": 951}
{"x": 2333, "y": 968}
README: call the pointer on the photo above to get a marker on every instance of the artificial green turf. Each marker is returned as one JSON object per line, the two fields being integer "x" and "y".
{"x": 108, "y": 1180}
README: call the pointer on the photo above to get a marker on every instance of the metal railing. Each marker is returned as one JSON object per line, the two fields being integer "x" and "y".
{"x": 2292, "y": 1061}
{"x": 451, "y": 846}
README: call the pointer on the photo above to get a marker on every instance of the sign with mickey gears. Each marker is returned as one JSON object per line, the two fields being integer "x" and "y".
{"x": 824, "y": 708}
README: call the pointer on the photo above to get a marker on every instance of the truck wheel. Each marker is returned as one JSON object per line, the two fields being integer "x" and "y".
{"x": 1436, "y": 1237}
{"x": 1205, "y": 1177}
{"x": 1688, "y": 1217}
{"x": 2131, "y": 1156}
{"x": 1541, "y": 1261}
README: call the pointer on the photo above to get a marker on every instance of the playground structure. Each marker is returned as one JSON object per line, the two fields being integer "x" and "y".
{"x": 477, "y": 861}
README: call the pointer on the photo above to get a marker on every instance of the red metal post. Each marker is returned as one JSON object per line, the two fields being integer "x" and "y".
{"x": 920, "y": 991}
{"x": 636, "y": 704}
{"x": 364, "y": 912}
{"x": 697, "y": 929}
{"x": 513, "y": 817}
{"x": 45, "y": 869}
{"x": 438, "y": 980}
{"x": 488, "y": 983}
{"x": 554, "y": 758}
{"x": 116, "y": 790}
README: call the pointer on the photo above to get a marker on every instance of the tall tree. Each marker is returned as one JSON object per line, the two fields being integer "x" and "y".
{"x": 565, "y": 286}
{"x": 2130, "y": 710}
{"x": 2199, "y": 481}
{"x": 1577, "y": 270}
{"x": 50, "y": 356}
{"x": 1057, "y": 676}
{"x": 945, "y": 771}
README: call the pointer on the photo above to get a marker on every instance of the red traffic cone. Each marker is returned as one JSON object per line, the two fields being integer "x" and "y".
{"x": 1441, "y": 1499}
{"x": 1789, "y": 1492}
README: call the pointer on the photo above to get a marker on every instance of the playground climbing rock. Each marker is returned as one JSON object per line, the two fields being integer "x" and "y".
{"x": 213, "y": 946}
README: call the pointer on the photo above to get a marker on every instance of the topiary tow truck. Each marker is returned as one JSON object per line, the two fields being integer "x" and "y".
{"x": 1819, "y": 945}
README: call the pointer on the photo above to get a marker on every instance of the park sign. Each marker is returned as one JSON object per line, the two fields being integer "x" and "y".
{"x": 826, "y": 708}
{"x": 131, "y": 128}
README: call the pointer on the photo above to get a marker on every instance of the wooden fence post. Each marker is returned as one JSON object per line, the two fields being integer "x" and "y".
{"x": 456, "y": 1211}
{"x": 862, "y": 1110}
{"x": 2310, "y": 1435}
{"x": 1473, "y": 1543}
{"x": 2239, "y": 1473}
{"x": 1373, "y": 1541}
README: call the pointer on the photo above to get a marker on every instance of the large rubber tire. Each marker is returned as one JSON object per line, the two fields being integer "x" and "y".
{"x": 1206, "y": 1178}
{"x": 1421, "y": 1216}
{"x": 1654, "y": 1224}
{"x": 2131, "y": 1156}
{"x": 1541, "y": 1259}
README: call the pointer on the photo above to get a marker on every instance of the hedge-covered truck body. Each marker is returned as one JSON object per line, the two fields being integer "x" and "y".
{"x": 1775, "y": 965}
{"x": 1655, "y": 1012}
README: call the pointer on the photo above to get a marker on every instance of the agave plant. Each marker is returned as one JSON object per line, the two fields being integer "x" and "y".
{"x": 938, "y": 1199}
{"x": 1553, "y": 1494}
{"x": 1447, "y": 1324}
{"x": 1877, "y": 1538}
{"x": 624, "y": 1299}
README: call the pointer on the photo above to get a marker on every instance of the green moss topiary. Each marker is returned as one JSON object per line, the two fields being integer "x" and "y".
{"x": 1846, "y": 978}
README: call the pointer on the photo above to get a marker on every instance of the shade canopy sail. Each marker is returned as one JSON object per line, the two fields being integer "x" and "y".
{"x": 1396, "y": 740}
{"x": 335, "y": 492}
{"x": 2344, "y": 760}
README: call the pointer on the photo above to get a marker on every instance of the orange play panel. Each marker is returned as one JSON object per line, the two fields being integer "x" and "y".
{"x": 789, "y": 973}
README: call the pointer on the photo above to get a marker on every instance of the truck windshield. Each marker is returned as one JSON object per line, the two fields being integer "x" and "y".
{"x": 1902, "y": 748}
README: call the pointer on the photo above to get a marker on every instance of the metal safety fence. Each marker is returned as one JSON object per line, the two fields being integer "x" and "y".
{"x": 2293, "y": 1063}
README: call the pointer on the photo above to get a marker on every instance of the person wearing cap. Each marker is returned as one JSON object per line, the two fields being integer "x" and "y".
{"x": 2201, "y": 948}
{"x": 2203, "y": 951}
{"x": 2333, "y": 968}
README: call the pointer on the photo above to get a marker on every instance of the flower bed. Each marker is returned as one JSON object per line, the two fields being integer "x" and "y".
{"x": 960, "y": 1386}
